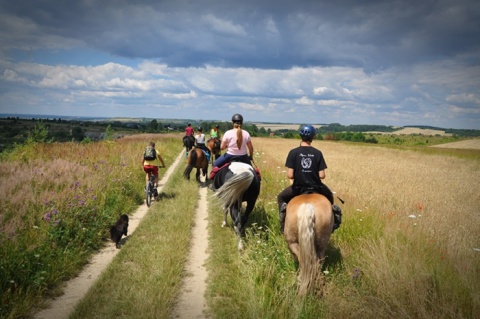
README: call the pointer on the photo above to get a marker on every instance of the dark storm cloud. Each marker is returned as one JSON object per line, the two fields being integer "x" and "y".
{"x": 263, "y": 34}
{"x": 346, "y": 61}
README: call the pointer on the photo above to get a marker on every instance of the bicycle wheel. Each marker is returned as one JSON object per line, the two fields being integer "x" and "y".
{"x": 148, "y": 194}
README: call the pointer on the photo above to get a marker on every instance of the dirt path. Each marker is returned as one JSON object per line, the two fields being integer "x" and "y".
{"x": 191, "y": 303}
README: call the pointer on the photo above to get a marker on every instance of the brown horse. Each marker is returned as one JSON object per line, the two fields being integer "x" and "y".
{"x": 213, "y": 145}
{"x": 196, "y": 158}
{"x": 308, "y": 226}
{"x": 188, "y": 142}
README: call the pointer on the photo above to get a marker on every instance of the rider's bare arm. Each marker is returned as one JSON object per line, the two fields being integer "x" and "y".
{"x": 224, "y": 145}
{"x": 161, "y": 160}
{"x": 322, "y": 174}
{"x": 250, "y": 148}
{"x": 290, "y": 173}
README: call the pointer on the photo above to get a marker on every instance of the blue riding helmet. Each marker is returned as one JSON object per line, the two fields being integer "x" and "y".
{"x": 307, "y": 132}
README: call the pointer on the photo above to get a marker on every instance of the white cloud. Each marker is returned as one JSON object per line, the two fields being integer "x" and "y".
{"x": 355, "y": 62}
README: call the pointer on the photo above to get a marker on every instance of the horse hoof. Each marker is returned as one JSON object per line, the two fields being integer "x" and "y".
{"x": 240, "y": 245}
{"x": 224, "y": 224}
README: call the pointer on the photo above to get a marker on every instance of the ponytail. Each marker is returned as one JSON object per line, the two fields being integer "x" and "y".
{"x": 239, "y": 135}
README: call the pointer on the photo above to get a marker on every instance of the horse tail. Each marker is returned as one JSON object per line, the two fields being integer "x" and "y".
{"x": 190, "y": 162}
{"x": 309, "y": 267}
{"x": 232, "y": 190}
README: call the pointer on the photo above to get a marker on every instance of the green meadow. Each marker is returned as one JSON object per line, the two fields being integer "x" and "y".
{"x": 408, "y": 246}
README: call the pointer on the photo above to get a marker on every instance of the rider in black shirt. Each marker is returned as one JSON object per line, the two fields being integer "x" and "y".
{"x": 306, "y": 167}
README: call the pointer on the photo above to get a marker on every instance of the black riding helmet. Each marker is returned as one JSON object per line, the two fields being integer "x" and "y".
{"x": 307, "y": 132}
{"x": 199, "y": 129}
{"x": 237, "y": 119}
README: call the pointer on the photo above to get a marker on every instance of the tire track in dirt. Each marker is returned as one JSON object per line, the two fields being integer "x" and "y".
{"x": 191, "y": 303}
{"x": 76, "y": 288}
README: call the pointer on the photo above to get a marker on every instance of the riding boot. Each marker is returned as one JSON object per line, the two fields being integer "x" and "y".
{"x": 281, "y": 216}
{"x": 337, "y": 216}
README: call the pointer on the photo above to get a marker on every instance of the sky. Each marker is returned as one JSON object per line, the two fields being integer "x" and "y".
{"x": 351, "y": 62}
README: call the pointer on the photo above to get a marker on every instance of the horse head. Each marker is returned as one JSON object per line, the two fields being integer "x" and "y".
{"x": 214, "y": 145}
{"x": 188, "y": 142}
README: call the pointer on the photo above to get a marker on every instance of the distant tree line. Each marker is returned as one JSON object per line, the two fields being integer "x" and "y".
{"x": 336, "y": 127}
{"x": 14, "y": 130}
{"x": 457, "y": 132}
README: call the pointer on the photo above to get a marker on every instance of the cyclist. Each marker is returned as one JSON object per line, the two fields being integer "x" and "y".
{"x": 150, "y": 162}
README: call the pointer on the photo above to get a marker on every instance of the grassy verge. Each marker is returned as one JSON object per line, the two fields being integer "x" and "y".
{"x": 58, "y": 201}
{"x": 405, "y": 249}
{"x": 143, "y": 279}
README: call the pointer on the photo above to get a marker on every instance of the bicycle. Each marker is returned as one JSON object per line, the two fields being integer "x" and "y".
{"x": 150, "y": 190}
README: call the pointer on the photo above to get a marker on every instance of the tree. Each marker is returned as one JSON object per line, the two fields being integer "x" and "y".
{"x": 109, "y": 133}
{"x": 153, "y": 126}
{"x": 358, "y": 137}
{"x": 77, "y": 133}
{"x": 39, "y": 134}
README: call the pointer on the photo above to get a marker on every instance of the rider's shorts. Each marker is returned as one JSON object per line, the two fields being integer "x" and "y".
{"x": 151, "y": 168}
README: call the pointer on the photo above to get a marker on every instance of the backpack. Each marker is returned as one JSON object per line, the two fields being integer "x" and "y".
{"x": 150, "y": 153}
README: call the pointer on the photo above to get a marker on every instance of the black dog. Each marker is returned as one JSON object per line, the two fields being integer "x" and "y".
{"x": 120, "y": 228}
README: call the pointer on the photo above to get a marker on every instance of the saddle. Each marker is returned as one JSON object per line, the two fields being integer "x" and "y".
{"x": 317, "y": 189}
{"x": 216, "y": 169}
{"x": 207, "y": 153}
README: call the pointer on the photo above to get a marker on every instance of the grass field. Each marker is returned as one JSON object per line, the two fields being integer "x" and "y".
{"x": 407, "y": 248}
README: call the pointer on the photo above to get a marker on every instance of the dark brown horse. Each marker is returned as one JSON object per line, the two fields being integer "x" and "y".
{"x": 308, "y": 226}
{"x": 213, "y": 145}
{"x": 196, "y": 158}
{"x": 188, "y": 142}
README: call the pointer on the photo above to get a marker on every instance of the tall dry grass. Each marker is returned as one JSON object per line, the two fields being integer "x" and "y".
{"x": 56, "y": 204}
{"x": 144, "y": 278}
{"x": 405, "y": 248}
{"x": 407, "y": 245}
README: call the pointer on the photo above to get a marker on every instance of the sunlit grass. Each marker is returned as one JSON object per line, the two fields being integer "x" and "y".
{"x": 57, "y": 202}
{"x": 143, "y": 280}
{"x": 406, "y": 248}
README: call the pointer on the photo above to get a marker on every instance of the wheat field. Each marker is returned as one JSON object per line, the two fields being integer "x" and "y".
{"x": 426, "y": 207}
